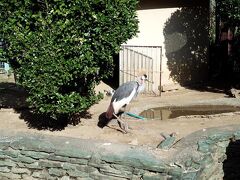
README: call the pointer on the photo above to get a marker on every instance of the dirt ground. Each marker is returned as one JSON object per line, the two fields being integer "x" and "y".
{"x": 144, "y": 132}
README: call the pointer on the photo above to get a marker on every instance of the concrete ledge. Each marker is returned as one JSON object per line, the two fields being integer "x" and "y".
{"x": 33, "y": 156}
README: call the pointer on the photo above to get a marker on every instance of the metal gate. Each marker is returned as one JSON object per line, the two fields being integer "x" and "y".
{"x": 136, "y": 60}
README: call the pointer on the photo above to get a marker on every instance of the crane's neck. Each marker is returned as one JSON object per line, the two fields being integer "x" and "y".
{"x": 140, "y": 81}
{"x": 140, "y": 87}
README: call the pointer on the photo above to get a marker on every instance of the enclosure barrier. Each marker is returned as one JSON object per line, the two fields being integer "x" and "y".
{"x": 136, "y": 60}
{"x": 209, "y": 154}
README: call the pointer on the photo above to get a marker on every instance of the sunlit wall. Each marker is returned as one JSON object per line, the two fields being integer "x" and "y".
{"x": 181, "y": 28}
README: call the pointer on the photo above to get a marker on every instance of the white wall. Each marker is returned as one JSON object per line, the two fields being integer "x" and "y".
{"x": 185, "y": 42}
{"x": 151, "y": 25}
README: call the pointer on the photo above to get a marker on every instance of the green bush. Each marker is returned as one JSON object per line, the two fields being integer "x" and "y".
{"x": 60, "y": 49}
{"x": 229, "y": 11}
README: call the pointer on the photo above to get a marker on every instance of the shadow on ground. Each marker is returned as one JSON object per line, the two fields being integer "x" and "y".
{"x": 13, "y": 96}
{"x": 102, "y": 120}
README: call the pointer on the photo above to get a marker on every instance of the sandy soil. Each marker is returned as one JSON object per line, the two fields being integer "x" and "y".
{"x": 144, "y": 132}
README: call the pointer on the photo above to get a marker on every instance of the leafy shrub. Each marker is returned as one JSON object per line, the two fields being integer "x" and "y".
{"x": 60, "y": 49}
{"x": 229, "y": 11}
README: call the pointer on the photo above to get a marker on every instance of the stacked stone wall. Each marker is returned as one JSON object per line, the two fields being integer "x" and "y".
{"x": 209, "y": 154}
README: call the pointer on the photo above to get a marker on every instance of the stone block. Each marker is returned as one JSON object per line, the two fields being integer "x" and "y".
{"x": 4, "y": 169}
{"x": 107, "y": 170}
{"x": 203, "y": 146}
{"x": 167, "y": 143}
{"x": 75, "y": 173}
{"x": 20, "y": 165}
{"x": 208, "y": 171}
{"x": 24, "y": 159}
{"x": 57, "y": 172}
{"x": 3, "y": 157}
{"x": 152, "y": 176}
{"x": 188, "y": 162}
{"x": 85, "y": 178}
{"x": 196, "y": 165}
{"x": 176, "y": 173}
{"x": 20, "y": 171}
{"x": 64, "y": 178}
{"x": 11, "y": 153}
{"x": 74, "y": 153}
{"x": 237, "y": 135}
{"x": 122, "y": 167}
{"x": 41, "y": 174}
{"x": 28, "y": 177}
{"x": 7, "y": 162}
{"x": 79, "y": 161}
{"x": 137, "y": 171}
{"x": 33, "y": 166}
{"x": 90, "y": 169}
{"x": 95, "y": 160}
{"x": 53, "y": 157}
{"x": 97, "y": 175}
{"x": 50, "y": 164}
{"x": 83, "y": 168}
{"x": 222, "y": 144}
{"x": 10, "y": 176}
{"x": 4, "y": 143}
{"x": 222, "y": 158}
{"x": 35, "y": 155}
{"x": 136, "y": 177}
{"x": 206, "y": 160}
{"x": 33, "y": 143}
{"x": 68, "y": 166}
{"x": 223, "y": 136}
{"x": 190, "y": 175}
{"x": 37, "y": 174}
{"x": 134, "y": 159}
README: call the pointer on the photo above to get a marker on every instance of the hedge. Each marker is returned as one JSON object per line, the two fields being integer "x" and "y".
{"x": 60, "y": 49}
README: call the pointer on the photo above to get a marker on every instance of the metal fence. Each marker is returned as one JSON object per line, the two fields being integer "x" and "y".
{"x": 2, "y": 65}
{"x": 2, "y": 68}
{"x": 136, "y": 60}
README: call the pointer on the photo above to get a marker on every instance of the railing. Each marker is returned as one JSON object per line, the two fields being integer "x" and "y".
{"x": 138, "y": 60}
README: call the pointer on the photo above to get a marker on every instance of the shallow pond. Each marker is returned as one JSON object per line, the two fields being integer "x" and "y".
{"x": 163, "y": 113}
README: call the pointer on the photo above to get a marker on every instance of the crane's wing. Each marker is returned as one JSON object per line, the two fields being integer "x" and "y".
{"x": 124, "y": 90}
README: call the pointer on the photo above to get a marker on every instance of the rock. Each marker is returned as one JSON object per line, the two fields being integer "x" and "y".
{"x": 21, "y": 171}
{"x": 134, "y": 142}
{"x": 4, "y": 169}
{"x": 167, "y": 142}
{"x": 57, "y": 172}
{"x": 235, "y": 93}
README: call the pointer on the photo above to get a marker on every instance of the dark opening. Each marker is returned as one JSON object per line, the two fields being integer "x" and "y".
{"x": 113, "y": 81}
{"x": 231, "y": 165}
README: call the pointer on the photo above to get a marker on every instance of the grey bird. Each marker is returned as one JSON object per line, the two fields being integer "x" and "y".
{"x": 122, "y": 97}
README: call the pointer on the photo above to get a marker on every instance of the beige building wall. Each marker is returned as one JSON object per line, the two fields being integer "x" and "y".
{"x": 151, "y": 25}
{"x": 181, "y": 28}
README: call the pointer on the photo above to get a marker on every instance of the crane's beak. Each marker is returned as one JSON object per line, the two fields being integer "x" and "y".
{"x": 147, "y": 80}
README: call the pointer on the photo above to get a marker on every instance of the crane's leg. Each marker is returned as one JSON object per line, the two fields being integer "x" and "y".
{"x": 123, "y": 125}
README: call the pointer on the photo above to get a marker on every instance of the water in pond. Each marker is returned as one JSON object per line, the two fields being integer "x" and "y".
{"x": 163, "y": 113}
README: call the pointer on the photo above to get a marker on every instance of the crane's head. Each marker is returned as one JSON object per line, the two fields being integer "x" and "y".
{"x": 142, "y": 79}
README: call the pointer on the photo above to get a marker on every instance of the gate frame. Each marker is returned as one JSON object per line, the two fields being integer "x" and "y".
{"x": 160, "y": 61}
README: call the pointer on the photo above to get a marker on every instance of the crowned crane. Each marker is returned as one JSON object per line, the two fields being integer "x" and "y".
{"x": 122, "y": 97}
